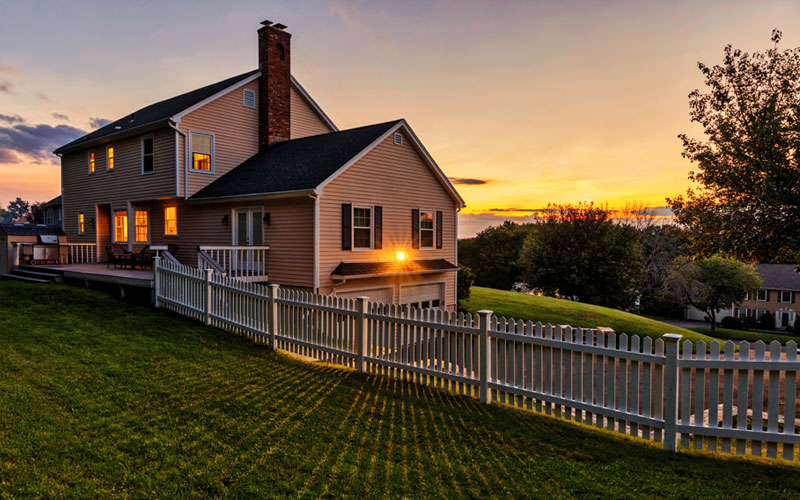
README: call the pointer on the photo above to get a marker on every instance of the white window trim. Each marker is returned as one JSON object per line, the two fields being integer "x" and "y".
{"x": 142, "y": 155}
{"x": 79, "y": 223}
{"x": 250, "y": 227}
{"x": 147, "y": 242}
{"x": 419, "y": 225}
{"x": 114, "y": 226}
{"x": 780, "y": 298}
{"x": 371, "y": 209}
{"x": 766, "y": 294}
{"x": 739, "y": 312}
{"x": 244, "y": 99}
{"x": 89, "y": 162}
{"x": 115, "y": 158}
{"x": 191, "y": 152}
{"x": 177, "y": 231}
{"x": 759, "y": 314}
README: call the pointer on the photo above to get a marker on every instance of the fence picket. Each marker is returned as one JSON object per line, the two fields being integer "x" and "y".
{"x": 790, "y": 400}
{"x": 741, "y": 408}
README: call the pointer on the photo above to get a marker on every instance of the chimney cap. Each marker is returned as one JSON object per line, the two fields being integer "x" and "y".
{"x": 266, "y": 22}
{"x": 280, "y": 26}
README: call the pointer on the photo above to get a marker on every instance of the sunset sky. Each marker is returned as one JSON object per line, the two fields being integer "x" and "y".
{"x": 536, "y": 102}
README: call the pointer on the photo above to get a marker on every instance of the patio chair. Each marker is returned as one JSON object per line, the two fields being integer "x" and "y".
{"x": 144, "y": 258}
{"x": 118, "y": 255}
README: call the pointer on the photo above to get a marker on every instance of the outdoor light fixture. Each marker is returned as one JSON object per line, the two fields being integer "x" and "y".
{"x": 225, "y": 219}
{"x": 400, "y": 255}
{"x": 266, "y": 218}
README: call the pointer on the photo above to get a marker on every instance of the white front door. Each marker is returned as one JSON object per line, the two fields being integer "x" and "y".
{"x": 248, "y": 228}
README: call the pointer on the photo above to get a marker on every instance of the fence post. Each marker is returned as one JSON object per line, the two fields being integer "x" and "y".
{"x": 156, "y": 280}
{"x": 361, "y": 333}
{"x": 207, "y": 302}
{"x": 484, "y": 317}
{"x": 272, "y": 313}
{"x": 671, "y": 341}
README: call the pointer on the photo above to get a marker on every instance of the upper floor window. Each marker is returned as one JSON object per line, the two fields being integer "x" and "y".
{"x": 140, "y": 218}
{"x": 121, "y": 226}
{"x": 110, "y": 158}
{"x": 91, "y": 162}
{"x": 81, "y": 223}
{"x": 170, "y": 221}
{"x": 761, "y": 296}
{"x": 786, "y": 296}
{"x": 362, "y": 228}
{"x": 147, "y": 155}
{"x": 202, "y": 152}
{"x": 426, "y": 229}
{"x": 248, "y": 99}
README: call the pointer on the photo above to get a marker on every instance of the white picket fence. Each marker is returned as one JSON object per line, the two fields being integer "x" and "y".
{"x": 631, "y": 385}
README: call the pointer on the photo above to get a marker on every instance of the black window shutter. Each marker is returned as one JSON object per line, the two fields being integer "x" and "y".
{"x": 414, "y": 228}
{"x": 347, "y": 221}
{"x": 767, "y": 295}
{"x": 439, "y": 217}
{"x": 378, "y": 238}
{"x": 793, "y": 296}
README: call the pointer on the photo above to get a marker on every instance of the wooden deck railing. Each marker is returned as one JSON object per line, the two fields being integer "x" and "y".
{"x": 82, "y": 253}
{"x": 248, "y": 263}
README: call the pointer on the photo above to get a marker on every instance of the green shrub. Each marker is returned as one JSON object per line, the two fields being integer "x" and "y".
{"x": 767, "y": 321}
{"x": 731, "y": 323}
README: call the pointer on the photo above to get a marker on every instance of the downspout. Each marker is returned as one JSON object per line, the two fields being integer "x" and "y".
{"x": 185, "y": 161}
{"x": 316, "y": 197}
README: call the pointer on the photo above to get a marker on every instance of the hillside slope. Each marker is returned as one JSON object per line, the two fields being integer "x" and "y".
{"x": 564, "y": 312}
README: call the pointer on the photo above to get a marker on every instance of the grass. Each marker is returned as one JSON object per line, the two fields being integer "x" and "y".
{"x": 564, "y": 312}
{"x": 731, "y": 334}
{"x": 107, "y": 399}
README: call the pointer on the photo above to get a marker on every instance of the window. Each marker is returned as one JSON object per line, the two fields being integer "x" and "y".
{"x": 761, "y": 296}
{"x": 425, "y": 229}
{"x": 786, "y": 297}
{"x": 121, "y": 226}
{"x": 91, "y": 162}
{"x": 110, "y": 158}
{"x": 746, "y": 296}
{"x": 171, "y": 221}
{"x": 760, "y": 313}
{"x": 741, "y": 313}
{"x": 147, "y": 155}
{"x": 81, "y": 223}
{"x": 203, "y": 152}
{"x": 248, "y": 99}
{"x": 398, "y": 139}
{"x": 362, "y": 228}
{"x": 140, "y": 217}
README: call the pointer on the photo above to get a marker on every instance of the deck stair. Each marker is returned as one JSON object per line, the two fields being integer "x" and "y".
{"x": 32, "y": 274}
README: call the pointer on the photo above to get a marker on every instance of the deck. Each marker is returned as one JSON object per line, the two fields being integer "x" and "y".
{"x": 101, "y": 273}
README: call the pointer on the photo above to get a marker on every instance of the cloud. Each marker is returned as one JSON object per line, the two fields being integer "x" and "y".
{"x": 468, "y": 181}
{"x": 41, "y": 95}
{"x": 5, "y": 68}
{"x": 532, "y": 210}
{"x": 6, "y": 86}
{"x": 98, "y": 122}
{"x": 8, "y": 156}
{"x": 59, "y": 116}
{"x": 35, "y": 141}
{"x": 12, "y": 119}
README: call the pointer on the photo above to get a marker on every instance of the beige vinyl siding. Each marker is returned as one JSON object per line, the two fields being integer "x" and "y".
{"x": 83, "y": 191}
{"x": 396, "y": 178}
{"x": 289, "y": 234}
{"x": 304, "y": 120}
{"x": 235, "y": 131}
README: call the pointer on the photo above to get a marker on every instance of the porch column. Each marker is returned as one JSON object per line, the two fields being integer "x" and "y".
{"x": 131, "y": 226}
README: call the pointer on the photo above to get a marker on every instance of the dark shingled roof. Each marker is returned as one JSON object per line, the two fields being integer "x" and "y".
{"x": 779, "y": 276}
{"x": 294, "y": 165}
{"x": 157, "y": 112}
{"x": 13, "y": 229}
{"x": 391, "y": 267}
{"x": 54, "y": 201}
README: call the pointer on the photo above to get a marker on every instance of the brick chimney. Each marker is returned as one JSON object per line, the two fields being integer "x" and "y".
{"x": 273, "y": 87}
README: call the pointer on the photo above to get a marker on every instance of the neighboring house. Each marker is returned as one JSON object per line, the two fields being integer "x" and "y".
{"x": 250, "y": 176}
{"x": 52, "y": 212}
{"x": 29, "y": 243}
{"x": 781, "y": 287}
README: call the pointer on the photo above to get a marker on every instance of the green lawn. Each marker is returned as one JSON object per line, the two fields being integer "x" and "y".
{"x": 726, "y": 333}
{"x": 106, "y": 399}
{"x": 564, "y": 312}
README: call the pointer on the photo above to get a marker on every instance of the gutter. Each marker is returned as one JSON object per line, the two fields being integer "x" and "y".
{"x": 177, "y": 163}
{"x": 252, "y": 196}
{"x": 112, "y": 137}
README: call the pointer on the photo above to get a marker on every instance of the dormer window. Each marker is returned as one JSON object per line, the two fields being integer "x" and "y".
{"x": 202, "y": 152}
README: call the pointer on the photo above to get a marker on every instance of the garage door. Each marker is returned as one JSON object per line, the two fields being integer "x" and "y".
{"x": 383, "y": 295}
{"x": 423, "y": 296}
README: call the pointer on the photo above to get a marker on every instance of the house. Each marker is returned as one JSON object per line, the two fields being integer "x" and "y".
{"x": 250, "y": 177}
{"x": 778, "y": 295}
{"x": 52, "y": 212}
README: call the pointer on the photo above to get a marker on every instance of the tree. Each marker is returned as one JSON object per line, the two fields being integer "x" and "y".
{"x": 35, "y": 213}
{"x": 660, "y": 246}
{"x": 465, "y": 279}
{"x": 747, "y": 204}
{"x": 579, "y": 252}
{"x": 713, "y": 283}
{"x": 494, "y": 253}
{"x": 17, "y": 210}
